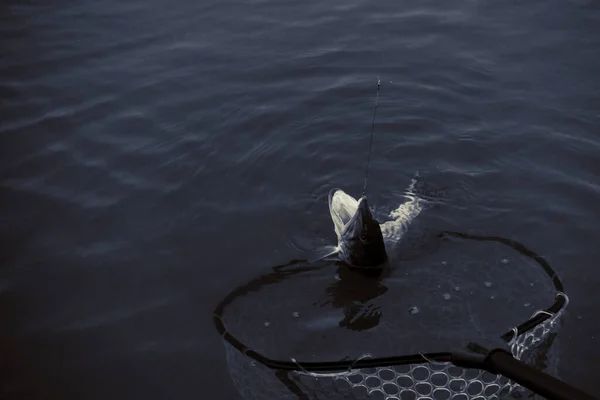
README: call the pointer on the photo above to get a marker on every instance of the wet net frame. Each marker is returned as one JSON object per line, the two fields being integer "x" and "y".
{"x": 442, "y": 371}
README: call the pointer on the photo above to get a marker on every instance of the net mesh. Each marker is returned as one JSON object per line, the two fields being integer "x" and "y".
{"x": 283, "y": 331}
{"x": 442, "y": 381}
{"x": 427, "y": 381}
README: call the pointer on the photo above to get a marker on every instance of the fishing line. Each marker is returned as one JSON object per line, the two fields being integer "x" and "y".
{"x": 371, "y": 140}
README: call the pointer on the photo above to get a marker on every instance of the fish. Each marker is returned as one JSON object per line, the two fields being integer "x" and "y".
{"x": 361, "y": 238}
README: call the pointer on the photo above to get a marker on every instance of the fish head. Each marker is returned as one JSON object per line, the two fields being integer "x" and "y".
{"x": 359, "y": 234}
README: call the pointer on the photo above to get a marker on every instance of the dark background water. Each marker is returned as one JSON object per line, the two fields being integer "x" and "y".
{"x": 157, "y": 154}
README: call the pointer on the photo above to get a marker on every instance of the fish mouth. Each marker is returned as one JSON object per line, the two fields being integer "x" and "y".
{"x": 360, "y": 241}
{"x": 344, "y": 209}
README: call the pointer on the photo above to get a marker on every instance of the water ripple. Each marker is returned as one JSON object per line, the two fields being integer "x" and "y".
{"x": 116, "y": 316}
{"x": 205, "y": 138}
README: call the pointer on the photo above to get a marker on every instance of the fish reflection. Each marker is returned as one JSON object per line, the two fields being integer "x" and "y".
{"x": 354, "y": 291}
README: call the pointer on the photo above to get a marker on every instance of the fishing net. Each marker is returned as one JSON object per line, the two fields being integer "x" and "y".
{"x": 324, "y": 331}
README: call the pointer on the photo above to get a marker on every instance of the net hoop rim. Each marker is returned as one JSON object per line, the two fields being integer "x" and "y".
{"x": 279, "y": 273}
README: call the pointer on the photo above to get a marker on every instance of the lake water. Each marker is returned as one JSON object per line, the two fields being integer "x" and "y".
{"x": 155, "y": 155}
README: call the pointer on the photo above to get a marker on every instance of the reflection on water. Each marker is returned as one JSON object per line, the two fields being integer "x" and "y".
{"x": 352, "y": 291}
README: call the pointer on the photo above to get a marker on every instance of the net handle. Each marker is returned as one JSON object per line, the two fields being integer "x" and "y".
{"x": 499, "y": 361}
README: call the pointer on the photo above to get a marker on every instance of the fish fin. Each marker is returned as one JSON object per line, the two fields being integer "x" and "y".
{"x": 322, "y": 253}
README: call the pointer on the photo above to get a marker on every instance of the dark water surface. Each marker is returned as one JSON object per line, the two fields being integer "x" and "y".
{"x": 157, "y": 154}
